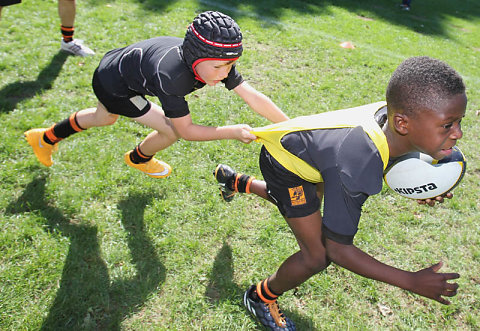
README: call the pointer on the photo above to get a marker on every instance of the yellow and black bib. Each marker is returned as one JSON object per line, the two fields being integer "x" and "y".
{"x": 271, "y": 135}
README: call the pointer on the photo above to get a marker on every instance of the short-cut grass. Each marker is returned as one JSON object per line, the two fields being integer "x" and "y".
{"x": 90, "y": 244}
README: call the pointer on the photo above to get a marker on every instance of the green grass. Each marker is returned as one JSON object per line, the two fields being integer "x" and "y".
{"x": 90, "y": 244}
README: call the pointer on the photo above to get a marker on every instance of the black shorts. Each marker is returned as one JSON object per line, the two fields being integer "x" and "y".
{"x": 133, "y": 105}
{"x": 294, "y": 196}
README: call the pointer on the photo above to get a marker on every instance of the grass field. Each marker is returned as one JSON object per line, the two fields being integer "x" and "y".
{"x": 90, "y": 244}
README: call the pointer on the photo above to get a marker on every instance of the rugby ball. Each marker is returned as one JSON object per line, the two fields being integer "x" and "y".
{"x": 419, "y": 176}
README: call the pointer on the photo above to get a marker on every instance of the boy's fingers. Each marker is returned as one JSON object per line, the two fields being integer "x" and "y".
{"x": 448, "y": 195}
{"x": 439, "y": 199}
{"x": 437, "y": 266}
{"x": 451, "y": 289}
{"x": 449, "y": 293}
{"x": 452, "y": 275}
{"x": 443, "y": 301}
{"x": 429, "y": 202}
{"x": 251, "y": 136}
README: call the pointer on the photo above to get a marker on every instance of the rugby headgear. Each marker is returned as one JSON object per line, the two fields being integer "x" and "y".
{"x": 211, "y": 36}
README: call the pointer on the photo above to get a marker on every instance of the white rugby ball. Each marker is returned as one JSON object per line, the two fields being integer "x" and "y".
{"x": 419, "y": 176}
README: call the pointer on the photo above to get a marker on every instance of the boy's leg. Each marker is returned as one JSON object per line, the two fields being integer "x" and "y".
{"x": 164, "y": 134}
{"x": 141, "y": 157}
{"x": 232, "y": 182}
{"x": 67, "y": 12}
{"x": 44, "y": 141}
{"x": 261, "y": 300}
{"x": 308, "y": 261}
{"x": 94, "y": 117}
{"x": 311, "y": 258}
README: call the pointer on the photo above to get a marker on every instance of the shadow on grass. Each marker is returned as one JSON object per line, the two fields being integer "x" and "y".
{"x": 221, "y": 287}
{"x": 157, "y": 5}
{"x": 13, "y": 93}
{"x": 87, "y": 299}
{"x": 425, "y": 17}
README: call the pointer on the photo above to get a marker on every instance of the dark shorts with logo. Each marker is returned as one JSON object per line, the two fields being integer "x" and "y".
{"x": 294, "y": 196}
{"x": 133, "y": 105}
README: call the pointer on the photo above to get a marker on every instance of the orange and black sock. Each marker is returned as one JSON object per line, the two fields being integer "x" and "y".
{"x": 264, "y": 293}
{"x": 67, "y": 33}
{"x": 62, "y": 130}
{"x": 242, "y": 183}
{"x": 136, "y": 156}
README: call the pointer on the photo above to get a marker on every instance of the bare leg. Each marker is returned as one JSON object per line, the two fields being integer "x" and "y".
{"x": 66, "y": 12}
{"x": 165, "y": 134}
{"x": 155, "y": 119}
{"x": 312, "y": 257}
{"x": 259, "y": 187}
{"x": 310, "y": 260}
{"x": 93, "y": 117}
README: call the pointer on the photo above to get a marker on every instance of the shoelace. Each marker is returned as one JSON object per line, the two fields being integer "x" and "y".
{"x": 277, "y": 314}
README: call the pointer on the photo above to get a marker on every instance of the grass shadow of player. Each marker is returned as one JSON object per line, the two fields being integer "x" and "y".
{"x": 14, "y": 93}
{"x": 221, "y": 287}
{"x": 127, "y": 295}
{"x": 86, "y": 298}
{"x": 424, "y": 18}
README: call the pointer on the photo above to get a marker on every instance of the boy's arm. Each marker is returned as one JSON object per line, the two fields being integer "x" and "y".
{"x": 426, "y": 282}
{"x": 260, "y": 103}
{"x": 194, "y": 132}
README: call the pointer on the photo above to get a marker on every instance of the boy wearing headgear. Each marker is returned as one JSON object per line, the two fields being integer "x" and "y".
{"x": 168, "y": 68}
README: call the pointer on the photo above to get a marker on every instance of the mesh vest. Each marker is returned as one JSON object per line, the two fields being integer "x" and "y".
{"x": 271, "y": 135}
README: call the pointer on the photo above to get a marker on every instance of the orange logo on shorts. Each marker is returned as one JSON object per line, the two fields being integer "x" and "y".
{"x": 297, "y": 196}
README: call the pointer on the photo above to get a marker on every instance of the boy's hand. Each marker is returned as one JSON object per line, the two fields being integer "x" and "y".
{"x": 242, "y": 132}
{"x": 439, "y": 199}
{"x": 431, "y": 284}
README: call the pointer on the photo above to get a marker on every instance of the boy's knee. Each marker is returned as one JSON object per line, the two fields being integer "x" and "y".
{"x": 110, "y": 120}
{"x": 171, "y": 135}
{"x": 316, "y": 263}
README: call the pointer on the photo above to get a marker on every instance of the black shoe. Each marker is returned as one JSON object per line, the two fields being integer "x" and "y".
{"x": 225, "y": 177}
{"x": 269, "y": 314}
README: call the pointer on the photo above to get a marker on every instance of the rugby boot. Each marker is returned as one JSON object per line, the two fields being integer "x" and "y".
{"x": 225, "y": 177}
{"x": 43, "y": 151}
{"x": 268, "y": 314}
{"x": 153, "y": 168}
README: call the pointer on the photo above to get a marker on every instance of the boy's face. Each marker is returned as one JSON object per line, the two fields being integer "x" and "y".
{"x": 214, "y": 71}
{"x": 436, "y": 131}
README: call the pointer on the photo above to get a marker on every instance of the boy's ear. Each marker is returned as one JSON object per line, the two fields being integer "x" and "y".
{"x": 400, "y": 123}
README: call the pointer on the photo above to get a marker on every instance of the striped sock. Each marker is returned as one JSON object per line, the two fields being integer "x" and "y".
{"x": 264, "y": 293}
{"x": 242, "y": 183}
{"x": 136, "y": 156}
{"x": 62, "y": 130}
{"x": 67, "y": 33}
